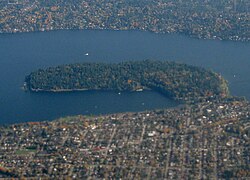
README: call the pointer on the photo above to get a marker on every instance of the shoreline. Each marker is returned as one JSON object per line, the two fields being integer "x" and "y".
{"x": 199, "y": 37}
{"x": 55, "y": 91}
{"x": 81, "y": 90}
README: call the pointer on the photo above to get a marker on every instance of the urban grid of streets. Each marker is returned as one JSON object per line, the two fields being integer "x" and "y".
{"x": 206, "y": 140}
{"x": 206, "y": 19}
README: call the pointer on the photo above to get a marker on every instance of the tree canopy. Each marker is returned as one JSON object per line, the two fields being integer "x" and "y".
{"x": 178, "y": 81}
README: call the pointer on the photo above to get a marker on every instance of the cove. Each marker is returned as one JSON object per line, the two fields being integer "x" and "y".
{"x": 22, "y": 53}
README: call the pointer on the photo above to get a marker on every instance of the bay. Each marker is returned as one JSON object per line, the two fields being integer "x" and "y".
{"x": 22, "y": 53}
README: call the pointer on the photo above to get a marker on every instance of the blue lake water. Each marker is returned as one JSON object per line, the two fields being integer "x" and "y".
{"x": 22, "y": 53}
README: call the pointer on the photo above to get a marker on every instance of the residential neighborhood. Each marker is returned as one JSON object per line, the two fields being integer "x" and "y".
{"x": 223, "y": 20}
{"x": 208, "y": 140}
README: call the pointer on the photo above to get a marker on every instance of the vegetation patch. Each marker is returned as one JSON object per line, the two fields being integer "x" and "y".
{"x": 26, "y": 151}
{"x": 177, "y": 81}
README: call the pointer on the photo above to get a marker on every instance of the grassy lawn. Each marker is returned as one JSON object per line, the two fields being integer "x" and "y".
{"x": 25, "y": 151}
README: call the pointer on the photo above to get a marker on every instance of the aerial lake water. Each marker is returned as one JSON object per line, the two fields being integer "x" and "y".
{"x": 22, "y": 53}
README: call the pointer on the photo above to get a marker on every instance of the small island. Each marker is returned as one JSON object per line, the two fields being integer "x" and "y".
{"x": 177, "y": 81}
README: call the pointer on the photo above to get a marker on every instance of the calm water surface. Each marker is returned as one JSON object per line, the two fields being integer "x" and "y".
{"x": 22, "y": 53}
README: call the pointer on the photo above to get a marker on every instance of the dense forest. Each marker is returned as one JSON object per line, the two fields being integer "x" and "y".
{"x": 177, "y": 81}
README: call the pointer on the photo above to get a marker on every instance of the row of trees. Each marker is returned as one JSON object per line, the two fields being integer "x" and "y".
{"x": 179, "y": 81}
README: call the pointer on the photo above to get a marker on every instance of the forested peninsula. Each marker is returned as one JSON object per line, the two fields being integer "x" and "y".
{"x": 177, "y": 81}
